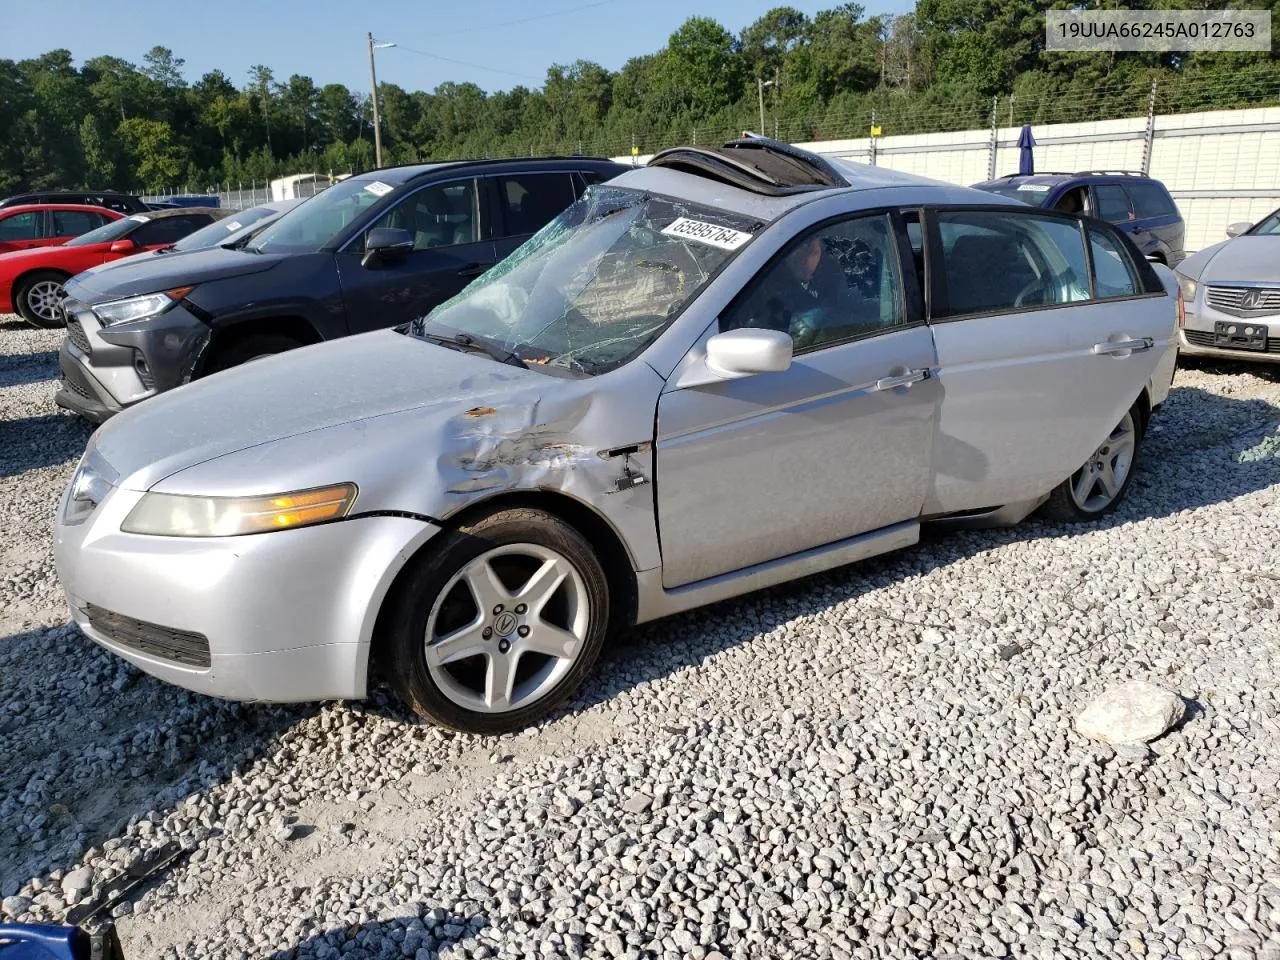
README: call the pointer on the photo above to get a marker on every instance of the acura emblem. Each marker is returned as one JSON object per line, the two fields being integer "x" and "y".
{"x": 1250, "y": 299}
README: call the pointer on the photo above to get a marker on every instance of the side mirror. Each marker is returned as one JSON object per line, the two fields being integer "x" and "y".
{"x": 123, "y": 246}
{"x": 1235, "y": 229}
{"x": 386, "y": 243}
{"x": 745, "y": 352}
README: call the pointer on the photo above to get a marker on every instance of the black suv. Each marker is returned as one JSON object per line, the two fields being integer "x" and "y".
{"x": 376, "y": 250}
{"x": 110, "y": 199}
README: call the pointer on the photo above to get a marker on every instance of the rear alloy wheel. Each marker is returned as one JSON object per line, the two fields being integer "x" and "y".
{"x": 39, "y": 300}
{"x": 500, "y": 623}
{"x": 1098, "y": 487}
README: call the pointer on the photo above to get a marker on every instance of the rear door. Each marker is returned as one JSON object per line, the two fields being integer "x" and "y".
{"x": 525, "y": 202}
{"x": 1040, "y": 353}
{"x": 22, "y": 231}
{"x": 449, "y": 251}
{"x": 1157, "y": 225}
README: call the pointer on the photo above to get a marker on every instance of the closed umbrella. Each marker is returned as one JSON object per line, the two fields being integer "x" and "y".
{"x": 1026, "y": 159}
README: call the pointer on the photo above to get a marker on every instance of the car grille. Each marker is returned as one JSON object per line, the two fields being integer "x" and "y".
{"x": 77, "y": 336}
{"x": 1232, "y": 300}
{"x": 1204, "y": 338}
{"x": 180, "y": 646}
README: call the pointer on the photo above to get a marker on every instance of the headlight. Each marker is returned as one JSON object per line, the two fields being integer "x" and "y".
{"x": 89, "y": 486}
{"x": 139, "y": 308}
{"x": 1188, "y": 287}
{"x": 175, "y": 515}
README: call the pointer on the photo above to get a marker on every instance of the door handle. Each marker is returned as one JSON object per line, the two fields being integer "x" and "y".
{"x": 902, "y": 380}
{"x": 473, "y": 270}
{"x": 1123, "y": 346}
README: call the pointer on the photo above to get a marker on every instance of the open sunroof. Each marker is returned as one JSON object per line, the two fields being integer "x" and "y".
{"x": 757, "y": 164}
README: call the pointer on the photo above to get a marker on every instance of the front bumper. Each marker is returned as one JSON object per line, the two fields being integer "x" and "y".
{"x": 105, "y": 369}
{"x": 288, "y": 616}
{"x": 1196, "y": 337}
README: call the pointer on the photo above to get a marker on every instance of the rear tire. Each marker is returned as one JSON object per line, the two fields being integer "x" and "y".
{"x": 251, "y": 348}
{"x": 38, "y": 299}
{"x": 498, "y": 623}
{"x": 1100, "y": 485}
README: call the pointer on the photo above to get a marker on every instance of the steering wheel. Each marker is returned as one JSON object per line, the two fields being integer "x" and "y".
{"x": 1036, "y": 284}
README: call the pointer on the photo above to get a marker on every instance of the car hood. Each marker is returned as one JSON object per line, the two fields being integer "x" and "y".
{"x": 1243, "y": 258}
{"x": 137, "y": 275}
{"x": 350, "y": 380}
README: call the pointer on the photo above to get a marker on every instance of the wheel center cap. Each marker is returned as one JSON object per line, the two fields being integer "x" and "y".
{"x": 505, "y": 624}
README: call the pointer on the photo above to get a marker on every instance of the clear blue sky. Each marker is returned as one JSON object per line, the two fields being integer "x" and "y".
{"x": 325, "y": 39}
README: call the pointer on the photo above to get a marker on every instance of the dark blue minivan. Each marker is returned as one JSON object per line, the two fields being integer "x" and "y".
{"x": 1134, "y": 202}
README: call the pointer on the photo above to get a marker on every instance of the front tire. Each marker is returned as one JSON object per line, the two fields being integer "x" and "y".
{"x": 1100, "y": 485}
{"x": 251, "y": 348}
{"x": 38, "y": 297}
{"x": 499, "y": 623}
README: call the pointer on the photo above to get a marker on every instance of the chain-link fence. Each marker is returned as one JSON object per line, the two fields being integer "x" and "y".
{"x": 240, "y": 195}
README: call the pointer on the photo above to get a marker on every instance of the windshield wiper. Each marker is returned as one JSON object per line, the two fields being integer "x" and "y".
{"x": 462, "y": 341}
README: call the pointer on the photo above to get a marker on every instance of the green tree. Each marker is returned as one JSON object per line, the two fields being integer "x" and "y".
{"x": 99, "y": 157}
{"x": 156, "y": 158}
{"x": 700, "y": 69}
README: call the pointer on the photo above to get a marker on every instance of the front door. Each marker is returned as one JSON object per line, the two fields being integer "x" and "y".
{"x": 758, "y": 468}
{"x": 1038, "y": 357}
{"x": 447, "y": 255}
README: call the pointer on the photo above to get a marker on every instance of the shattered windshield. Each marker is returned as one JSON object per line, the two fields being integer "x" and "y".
{"x": 596, "y": 285}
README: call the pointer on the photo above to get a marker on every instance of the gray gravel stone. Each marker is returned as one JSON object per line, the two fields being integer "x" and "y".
{"x": 858, "y": 765}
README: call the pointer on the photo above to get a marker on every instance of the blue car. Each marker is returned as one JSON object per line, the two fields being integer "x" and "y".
{"x": 1134, "y": 202}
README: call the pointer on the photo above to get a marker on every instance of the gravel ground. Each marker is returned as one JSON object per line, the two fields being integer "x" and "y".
{"x": 875, "y": 762}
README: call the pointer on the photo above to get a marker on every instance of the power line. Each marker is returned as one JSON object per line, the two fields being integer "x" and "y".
{"x": 464, "y": 63}
{"x": 540, "y": 16}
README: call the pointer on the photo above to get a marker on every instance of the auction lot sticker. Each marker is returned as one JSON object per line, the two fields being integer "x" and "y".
{"x": 1158, "y": 30}
{"x": 708, "y": 233}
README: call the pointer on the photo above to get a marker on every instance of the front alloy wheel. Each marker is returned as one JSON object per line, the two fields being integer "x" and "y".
{"x": 1098, "y": 487}
{"x": 498, "y": 623}
{"x": 39, "y": 301}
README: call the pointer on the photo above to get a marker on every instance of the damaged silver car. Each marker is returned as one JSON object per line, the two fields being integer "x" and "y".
{"x": 728, "y": 369}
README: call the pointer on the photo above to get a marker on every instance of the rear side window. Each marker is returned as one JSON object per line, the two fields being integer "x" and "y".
{"x": 72, "y": 223}
{"x": 1150, "y": 200}
{"x": 22, "y": 226}
{"x": 995, "y": 262}
{"x": 1112, "y": 201}
{"x": 1113, "y": 270}
{"x": 529, "y": 201}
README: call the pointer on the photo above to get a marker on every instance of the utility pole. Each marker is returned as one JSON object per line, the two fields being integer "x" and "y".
{"x": 760, "y": 85}
{"x": 373, "y": 83}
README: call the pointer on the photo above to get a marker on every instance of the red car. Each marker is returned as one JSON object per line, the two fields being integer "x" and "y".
{"x": 48, "y": 224}
{"x": 31, "y": 280}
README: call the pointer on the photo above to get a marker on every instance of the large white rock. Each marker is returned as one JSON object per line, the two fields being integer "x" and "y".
{"x": 1132, "y": 713}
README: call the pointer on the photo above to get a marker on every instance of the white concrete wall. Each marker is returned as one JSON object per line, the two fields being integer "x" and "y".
{"x": 1192, "y": 153}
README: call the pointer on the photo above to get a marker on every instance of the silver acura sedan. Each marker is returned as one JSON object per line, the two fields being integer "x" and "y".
{"x": 731, "y": 368}
{"x": 1232, "y": 295}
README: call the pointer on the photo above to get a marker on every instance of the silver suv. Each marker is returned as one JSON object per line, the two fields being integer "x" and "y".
{"x": 727, "y": 369}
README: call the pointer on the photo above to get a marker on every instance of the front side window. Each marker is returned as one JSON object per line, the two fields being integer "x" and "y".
{"x": 108, "y": 231}
{"x": 22, "y": 226}
{"x": 596, "y": 285}
{"x": 530, "y": 200}
{"x": 165, "y": 230}
{"x": 836, "y": 283}
{"x": 994, "y": 262}
{"x": 72, "y": 223}
{"x": 441, "y": 215}
{"x": 1267, "y": 226}
{"x": 1113, "y": 271}
{"x": 1112, "y": 203}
